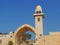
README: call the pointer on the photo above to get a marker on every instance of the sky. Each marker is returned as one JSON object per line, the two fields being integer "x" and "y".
{"x": 14, "y": 13}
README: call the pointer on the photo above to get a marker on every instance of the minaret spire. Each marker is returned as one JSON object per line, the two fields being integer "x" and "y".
{"x": 38, "y": 8}
{"x": 39, "y": 20}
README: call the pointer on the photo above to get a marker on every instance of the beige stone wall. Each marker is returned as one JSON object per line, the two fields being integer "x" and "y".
{"x": 5, "y": 38}
{"x": 52, "y": 40}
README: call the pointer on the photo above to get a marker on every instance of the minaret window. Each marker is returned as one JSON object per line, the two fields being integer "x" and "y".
{"x": 40, "y": 34}
{"x": 37, "y": 12}
{"x": 38, "y": 19}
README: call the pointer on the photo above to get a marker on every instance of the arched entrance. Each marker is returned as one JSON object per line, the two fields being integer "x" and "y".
{"x": 10, "y": 43}
{"x": 21, "y": 30}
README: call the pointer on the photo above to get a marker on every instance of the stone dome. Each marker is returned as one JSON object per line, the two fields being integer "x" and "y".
{"x": 38, "y": 8}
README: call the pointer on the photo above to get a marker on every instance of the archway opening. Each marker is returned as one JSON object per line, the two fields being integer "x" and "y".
{"x": 32, "y": 35}
{"x": 10, "y": 43}
{"x": 25, "y": 29}
{"x": 27, "y": 38}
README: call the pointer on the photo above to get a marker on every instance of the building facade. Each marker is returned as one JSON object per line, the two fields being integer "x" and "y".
{"x": 13, "y": 38}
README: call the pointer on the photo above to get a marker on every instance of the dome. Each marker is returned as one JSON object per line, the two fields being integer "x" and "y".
{"x": 38, "y": 8}
{"x": 10, "y": 32}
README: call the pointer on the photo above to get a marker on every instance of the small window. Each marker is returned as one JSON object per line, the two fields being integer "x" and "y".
{"x": 37, "y": 12}
{"x": 38, "y": 19}
{"x": 0, "y": 41}
{"x": 40, "y": 34}
{"x": 11, "y": 36}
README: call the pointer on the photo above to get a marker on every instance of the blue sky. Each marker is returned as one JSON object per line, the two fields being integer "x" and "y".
{"x": 14, "y": 13}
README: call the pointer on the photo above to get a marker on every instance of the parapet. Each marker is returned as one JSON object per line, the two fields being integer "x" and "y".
{"x": 54, "y": 33}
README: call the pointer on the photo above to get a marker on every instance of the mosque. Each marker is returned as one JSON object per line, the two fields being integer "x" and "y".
{"x": 13, "y": 38}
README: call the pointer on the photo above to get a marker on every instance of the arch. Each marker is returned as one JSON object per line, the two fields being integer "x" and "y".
{"x": 10, "y": 43}
{"x": 24, "y": 28}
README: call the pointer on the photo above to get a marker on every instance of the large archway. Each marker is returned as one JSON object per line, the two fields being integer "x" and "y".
{"x": 21, "y": 30}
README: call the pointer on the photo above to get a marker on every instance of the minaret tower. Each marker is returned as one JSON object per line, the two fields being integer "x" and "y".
{"x": 39, "y": 15}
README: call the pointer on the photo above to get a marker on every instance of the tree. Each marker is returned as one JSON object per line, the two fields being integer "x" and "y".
{"x": 26, "y": 37}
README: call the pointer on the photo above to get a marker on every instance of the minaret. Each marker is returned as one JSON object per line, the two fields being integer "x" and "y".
{"x": 39, "y": 15}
